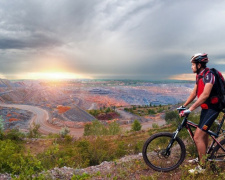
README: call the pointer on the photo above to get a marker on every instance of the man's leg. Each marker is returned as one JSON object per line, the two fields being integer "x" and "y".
{"x": 201, "y": 141}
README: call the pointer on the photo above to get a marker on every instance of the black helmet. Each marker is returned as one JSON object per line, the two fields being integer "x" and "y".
{"x": 200, "y": 58}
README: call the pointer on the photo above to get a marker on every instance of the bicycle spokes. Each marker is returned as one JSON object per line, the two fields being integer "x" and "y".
{"x": 218, "y": 156}
{"x": 163, "y": 154}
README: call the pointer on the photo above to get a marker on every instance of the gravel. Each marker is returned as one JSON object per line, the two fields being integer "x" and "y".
{"x": 66, "y": 173}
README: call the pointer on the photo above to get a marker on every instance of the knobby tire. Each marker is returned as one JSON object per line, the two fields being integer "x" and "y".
{"x": 153, "y": 152}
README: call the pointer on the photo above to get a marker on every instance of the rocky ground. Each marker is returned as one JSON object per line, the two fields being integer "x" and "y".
{"x": 94, "y": 172}
{"x": 67, "y": 173}
{"x": 129, "y": 167}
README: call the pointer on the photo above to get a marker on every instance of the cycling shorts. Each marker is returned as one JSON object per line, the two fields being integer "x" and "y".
{"x": 208, "y": 116}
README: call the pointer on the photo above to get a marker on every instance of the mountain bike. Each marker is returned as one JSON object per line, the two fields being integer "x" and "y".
{"x": 165, "y": 151}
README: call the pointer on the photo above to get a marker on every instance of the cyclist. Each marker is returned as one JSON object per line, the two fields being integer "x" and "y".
{"x": 205, "y": 90}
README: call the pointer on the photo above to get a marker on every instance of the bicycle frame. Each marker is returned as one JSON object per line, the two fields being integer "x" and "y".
{"x": 188, "y": 124}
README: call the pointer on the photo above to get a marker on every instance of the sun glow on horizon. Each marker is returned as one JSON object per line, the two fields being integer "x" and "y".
{"x": 54, "y": 76}
{"x": 188, "y": 77}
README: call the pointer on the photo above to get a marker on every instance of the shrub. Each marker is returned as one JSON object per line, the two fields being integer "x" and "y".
{"x": 1, "y": 135}
{"x": 194, "y": 117}
{"x": 83, "y": 148}
{"x": 160, "y": 110}
{"x": 97, "y": 129}
{"x": 80, "y": 177}
{"x": 96, "y": 151}
{"x": 136, "y": 125}
{"x": 87, "y": 129}
{"x": 100, "y": 150}
{"x": 191, "y": 149}
{"x": 172, "y": 116}
{"x": 121, "y": 149}
{"x": 50, "y": 158}
{"x": 33, "y": 131}
{"x": 137, "y": 147}
{"x": 1, "y": 124}
{"x": 14, "y": 161}
{"x": 114, "y": 128}
{"x": 1, "y": 127}
{"x": 94, "y": 112}
{"x": 14, "y": 134}
{"x": 107, "y": 110}
{"x": 154, "y": 125}
{"x": 64, "y": 131}
{"x": 151, "y": 111}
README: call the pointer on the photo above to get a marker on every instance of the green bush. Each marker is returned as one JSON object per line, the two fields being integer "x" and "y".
{"x": 97, "y": 129}
{"x": 1, "y": 127}
{"x": 172, "y": 116}
{"x": 49, "y": 157}
{"x": 96, "y": 151}
{"x": 34, "y": 131}
{"x": 151, "y": 111}
{"x": 55, "y": 156}
{"x": 83, "y": 149}
{"x": 191, "y": 149}
{"x": 121, "y": 149}
{"x": 107, "y": 110}
{"x": 131, "y": 110}
{"x": 194, "y": 117}
{"x": 136, "y": 125}
{"x": 14, "y": 134}
{"x": 64, "y": 131}
{"x": 87, "y": 129}
{"x": 95, "y": 112}
{"x": 160, "y": 110}
{"x": 81, "y": 177}
{"x": 154, "y": 125}
{"x": 114, "y": 128}
{"x": 137, "y": 147}
{"x": 100, "y": 150}
{"x": 1, "y": 124}
{"x": 14, "y": 161}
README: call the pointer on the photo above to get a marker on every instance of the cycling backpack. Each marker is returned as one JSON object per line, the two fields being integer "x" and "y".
{"x": 221, "y": 86}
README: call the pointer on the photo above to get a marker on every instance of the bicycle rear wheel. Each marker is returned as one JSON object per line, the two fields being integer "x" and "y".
{"x": 218, "y": 157}
{"x": 154, "y": 152}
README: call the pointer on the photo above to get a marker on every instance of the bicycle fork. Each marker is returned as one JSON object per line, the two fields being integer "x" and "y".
{"x": 167, "y": 151}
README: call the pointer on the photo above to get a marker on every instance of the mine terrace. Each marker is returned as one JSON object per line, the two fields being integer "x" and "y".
{"x": 68, "y": 102}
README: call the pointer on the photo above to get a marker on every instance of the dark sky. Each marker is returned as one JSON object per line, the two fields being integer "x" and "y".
{"x": 137, "y": 39}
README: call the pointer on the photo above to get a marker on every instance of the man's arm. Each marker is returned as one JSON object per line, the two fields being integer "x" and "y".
{"x": 202, "y": 98}
{"x": 192, "y": 96}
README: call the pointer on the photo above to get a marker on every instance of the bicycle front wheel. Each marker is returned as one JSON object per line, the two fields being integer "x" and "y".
{"x": 218, "y": 157}
{"x": 155, "y": 155}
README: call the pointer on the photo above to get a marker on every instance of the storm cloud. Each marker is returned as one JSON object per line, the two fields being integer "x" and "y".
{"x": 144, "y": 39}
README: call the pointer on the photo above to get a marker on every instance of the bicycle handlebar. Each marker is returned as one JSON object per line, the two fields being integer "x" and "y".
{"x": 181, "y": 109}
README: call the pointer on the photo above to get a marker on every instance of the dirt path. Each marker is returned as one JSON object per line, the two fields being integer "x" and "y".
{"x": 41, "y": 117}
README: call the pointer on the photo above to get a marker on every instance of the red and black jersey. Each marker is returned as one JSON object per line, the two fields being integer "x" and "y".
{"x": 203, "y": 78}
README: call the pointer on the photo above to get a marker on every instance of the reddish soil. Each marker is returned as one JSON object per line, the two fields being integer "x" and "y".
{"x": 108, "y": 116}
